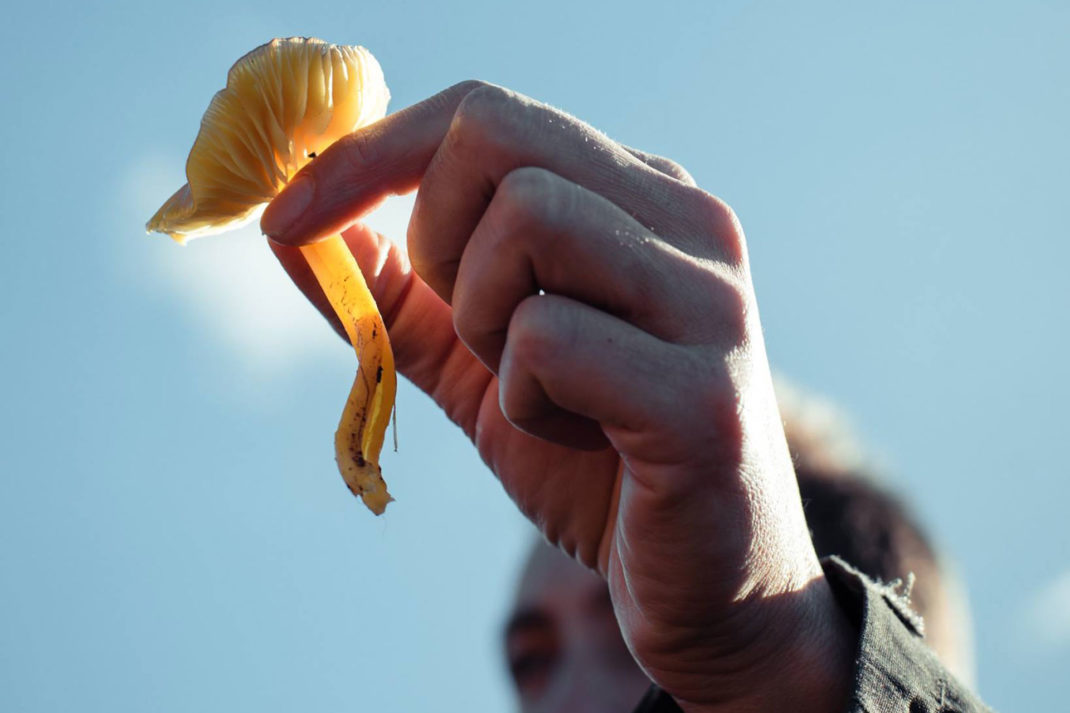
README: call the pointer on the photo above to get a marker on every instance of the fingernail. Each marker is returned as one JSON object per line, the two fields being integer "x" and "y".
{"x": 287, "y": 207}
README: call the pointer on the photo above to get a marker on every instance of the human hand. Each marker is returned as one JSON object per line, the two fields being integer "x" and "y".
{"x": 585, "y": 313}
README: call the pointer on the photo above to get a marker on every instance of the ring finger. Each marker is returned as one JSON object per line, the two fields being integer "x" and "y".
{"x": 541, "y": 232}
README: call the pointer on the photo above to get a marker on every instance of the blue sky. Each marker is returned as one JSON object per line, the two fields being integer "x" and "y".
{"x": 173, "y": 533}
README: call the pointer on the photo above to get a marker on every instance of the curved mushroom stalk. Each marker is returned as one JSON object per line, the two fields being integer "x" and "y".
{"x": 285, "y": 102}
{"x": 359, "y": 438}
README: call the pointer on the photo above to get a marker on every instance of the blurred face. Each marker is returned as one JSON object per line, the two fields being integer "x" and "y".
{"x": 562, "y": 642}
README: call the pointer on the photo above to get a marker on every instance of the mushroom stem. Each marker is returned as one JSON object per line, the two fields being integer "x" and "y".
{"x": 359, "y": 438}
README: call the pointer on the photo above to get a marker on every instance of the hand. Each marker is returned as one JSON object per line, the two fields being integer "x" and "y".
{"x": 585, "y": 313}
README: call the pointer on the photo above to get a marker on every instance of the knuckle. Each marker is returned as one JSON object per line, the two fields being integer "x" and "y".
{"x": 532, "y": 196}
{"x": 534, "y": 339}
{"x": 359, "y": 150}
{"x": 476, "y": 321}
{"x": 468, "y": 86}
{"x": 449, "y": 99}
{"x": 513, "y": 399}
{"x": 485, "y": 108}
{"x": 526, "y": 341}
{"x": 464, "y": 323}
{"x": 718, "y": 402}
{"x": 733, "y": 311}
{"x": 663, "y": 165}
{"x": 472, "y": 335}
{"x": 673, "y": 169}
{"x": 715, "y": 218}
{"x": 713, "y": 306}
{"x": 708, "y": 207}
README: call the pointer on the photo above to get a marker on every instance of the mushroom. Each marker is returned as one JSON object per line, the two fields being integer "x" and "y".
{"x": 284, "y": 103}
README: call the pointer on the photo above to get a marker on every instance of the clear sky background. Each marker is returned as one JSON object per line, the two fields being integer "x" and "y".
{"x": 173, "y": 533}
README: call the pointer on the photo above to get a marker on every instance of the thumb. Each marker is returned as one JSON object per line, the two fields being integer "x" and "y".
{"x": 426, "y": 348}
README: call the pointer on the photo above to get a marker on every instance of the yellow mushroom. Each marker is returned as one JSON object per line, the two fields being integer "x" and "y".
{"x": 284, "y": 103}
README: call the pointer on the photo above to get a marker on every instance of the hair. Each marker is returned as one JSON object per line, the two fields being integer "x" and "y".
{"x": 869, "y": 528}
{"x": 850, "y": 514}
{"x": 853, "y": 516}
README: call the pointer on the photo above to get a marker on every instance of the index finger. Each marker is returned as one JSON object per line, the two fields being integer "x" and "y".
{"x": 352, "y": 176}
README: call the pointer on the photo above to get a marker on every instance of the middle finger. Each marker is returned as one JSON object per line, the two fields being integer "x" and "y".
{"x": 543, "y": 233}
{"x": 495, "y": 131}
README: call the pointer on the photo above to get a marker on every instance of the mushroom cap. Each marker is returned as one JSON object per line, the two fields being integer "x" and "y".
{"x": 284, "y": 102}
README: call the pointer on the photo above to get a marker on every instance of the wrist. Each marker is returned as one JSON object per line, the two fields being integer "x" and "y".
{"x": 803, "y": 661}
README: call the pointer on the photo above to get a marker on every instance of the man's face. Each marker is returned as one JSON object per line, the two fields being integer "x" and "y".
{"x": 563, "y": 644}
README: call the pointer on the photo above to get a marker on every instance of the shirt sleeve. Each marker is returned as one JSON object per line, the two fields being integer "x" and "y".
{"x": 894, "y": 671}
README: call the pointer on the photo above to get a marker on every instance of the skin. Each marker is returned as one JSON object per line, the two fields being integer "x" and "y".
{"x": 565, "y": 654}
{"x": 629, "y": 410}
{"x": 562, "y": 644}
